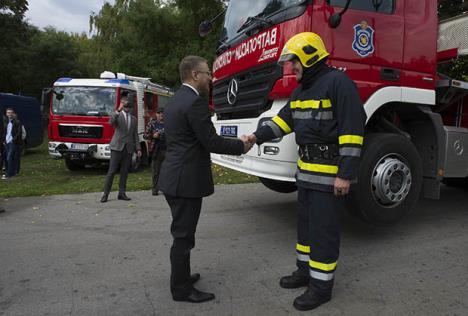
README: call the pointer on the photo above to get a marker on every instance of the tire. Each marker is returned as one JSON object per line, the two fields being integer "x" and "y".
{"x": 389, "y": 180}
{"x": 279, "y": 186}
{"x": 72, "y": 165}
{"x": 456, "y": 182}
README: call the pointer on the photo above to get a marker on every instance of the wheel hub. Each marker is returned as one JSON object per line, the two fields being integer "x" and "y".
{"x": 391, "y": 181}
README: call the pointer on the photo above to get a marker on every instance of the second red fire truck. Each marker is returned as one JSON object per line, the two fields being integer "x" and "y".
{"x": 79, "y": 129}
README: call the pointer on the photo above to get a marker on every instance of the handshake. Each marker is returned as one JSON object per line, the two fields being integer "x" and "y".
{"x": 249, "y": 141}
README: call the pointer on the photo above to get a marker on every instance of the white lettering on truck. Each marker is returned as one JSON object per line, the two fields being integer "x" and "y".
{"x": 261, "y": 41}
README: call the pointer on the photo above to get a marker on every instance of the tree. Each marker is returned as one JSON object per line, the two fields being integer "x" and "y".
{"x": 457, "y": 69}
{"x": 450, "y": 8}
{"x": 17, "y": 7}
{"x": 148, "y": 38}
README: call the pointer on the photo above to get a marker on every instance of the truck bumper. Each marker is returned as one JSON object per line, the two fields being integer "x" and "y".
{"x": 275, "y": 160}
{"x": 78, "y": 151}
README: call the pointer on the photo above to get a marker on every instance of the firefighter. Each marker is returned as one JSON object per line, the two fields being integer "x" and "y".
{"x": 328, "y": 119}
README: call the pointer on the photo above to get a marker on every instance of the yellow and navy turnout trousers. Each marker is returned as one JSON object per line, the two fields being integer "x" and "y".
{"x": 328, "y": 111}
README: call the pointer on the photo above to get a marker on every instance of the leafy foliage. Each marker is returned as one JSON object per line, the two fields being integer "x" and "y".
{"x": 458, "y": 68}
{"x": 17, "y": 7}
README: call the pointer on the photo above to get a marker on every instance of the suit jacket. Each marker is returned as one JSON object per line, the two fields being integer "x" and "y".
{"x": 190, "y": 137}
{"x": 16, "y": 131}
{"x": 123, "y": 135}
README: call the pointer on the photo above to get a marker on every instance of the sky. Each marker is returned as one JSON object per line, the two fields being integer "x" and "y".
{"x": 64, "y": 15}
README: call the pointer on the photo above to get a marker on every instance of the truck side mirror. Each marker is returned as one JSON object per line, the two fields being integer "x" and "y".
{"x": 205, "y": 28}
{"x": 335, "y": 20}
{"x": 45, "y": 96}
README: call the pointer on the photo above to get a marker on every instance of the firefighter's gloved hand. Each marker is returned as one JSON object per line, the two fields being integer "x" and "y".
{"x": 341, "y": 187}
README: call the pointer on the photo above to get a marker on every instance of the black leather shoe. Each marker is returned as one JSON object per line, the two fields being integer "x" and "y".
{"x": 155, "y": 193}
{"x": 194, "y": 278}
{"x": 195, "y": 296}
{"x": 294, "y": 281}
{"x": 124, "y": 197}
{"x": 310, "y": 300}
{"x": 104, "y": 198}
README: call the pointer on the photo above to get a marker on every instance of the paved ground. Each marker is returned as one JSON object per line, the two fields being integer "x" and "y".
{"x": 71, "y": 255}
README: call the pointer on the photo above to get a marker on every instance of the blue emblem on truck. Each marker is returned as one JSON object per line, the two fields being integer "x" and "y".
{"x": 363, "y": 43}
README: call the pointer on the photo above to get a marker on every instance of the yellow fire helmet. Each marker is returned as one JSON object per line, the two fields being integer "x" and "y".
{"x": 308, "y": 47}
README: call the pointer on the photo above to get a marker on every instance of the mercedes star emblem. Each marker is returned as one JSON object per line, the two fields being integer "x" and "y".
{"x": 233, "y": 89}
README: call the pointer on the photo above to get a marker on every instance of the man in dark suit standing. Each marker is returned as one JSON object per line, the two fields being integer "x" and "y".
{"x": 123, "y": 144}
{"x": 186, "y": 176}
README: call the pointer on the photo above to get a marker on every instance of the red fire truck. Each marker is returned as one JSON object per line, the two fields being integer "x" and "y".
{"x": 417, "y": 126}
{"x": 79, "y": 129}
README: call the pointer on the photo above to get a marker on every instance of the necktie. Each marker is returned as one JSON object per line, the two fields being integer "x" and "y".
{"x": 128, "y": 121}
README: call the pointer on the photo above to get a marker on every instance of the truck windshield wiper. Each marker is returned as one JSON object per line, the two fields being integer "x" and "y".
{"x": 255, "y": 20}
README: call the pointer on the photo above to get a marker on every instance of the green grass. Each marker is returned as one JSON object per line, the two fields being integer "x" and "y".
{"x": 41, "y": 174}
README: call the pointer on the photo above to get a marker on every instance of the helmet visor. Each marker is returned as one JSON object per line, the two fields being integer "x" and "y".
{"x": 286, "y": 57}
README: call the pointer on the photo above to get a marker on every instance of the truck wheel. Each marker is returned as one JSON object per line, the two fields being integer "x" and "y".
{"x": 279, "y": 186}
{"x": 389, "y": 180}
{"x": 456, "y": 182}
{"x": 72, "y": 165}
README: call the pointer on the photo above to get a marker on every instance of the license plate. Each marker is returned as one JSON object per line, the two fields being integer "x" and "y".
{"x": 229, "y": 130}
{"x": 80, "y": 146}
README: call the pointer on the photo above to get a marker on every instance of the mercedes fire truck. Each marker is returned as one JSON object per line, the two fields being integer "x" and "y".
{"x": 417, "y": 119}
{"x": 80, "y": 109}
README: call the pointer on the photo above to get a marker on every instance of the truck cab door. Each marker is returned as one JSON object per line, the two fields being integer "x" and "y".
{"x": 368, "y": 43}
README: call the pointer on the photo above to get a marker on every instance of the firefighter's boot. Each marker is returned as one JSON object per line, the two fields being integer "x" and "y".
{"x": 310, "y": 300}
{"x": 295, "y": 280}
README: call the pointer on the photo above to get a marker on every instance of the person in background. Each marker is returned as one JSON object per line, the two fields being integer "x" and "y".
{"x": 12, "y": 141}
{"x": 155, "y": 133}
{"x": 20, "y": 146}
{"x": 2, "y": 136}
{"x": 123, "y": 144}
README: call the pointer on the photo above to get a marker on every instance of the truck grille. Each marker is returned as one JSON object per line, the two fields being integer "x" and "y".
{"x": 253, "y": 87}
{"x": 80, "y": 131}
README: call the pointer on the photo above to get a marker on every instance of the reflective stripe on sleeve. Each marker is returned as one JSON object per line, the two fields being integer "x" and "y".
{"x": 275, "y": 128}
{"x": 282, "y": 124}
{"x": 351, "y": 139}
{"x": 323, "y": 266}
{"x": 331, "y": 169}
{"x": 321, "y": 276}
{"x": 303, "y": 258}
{"x": 350, "y": 151}
{"x": 302, "y": 248}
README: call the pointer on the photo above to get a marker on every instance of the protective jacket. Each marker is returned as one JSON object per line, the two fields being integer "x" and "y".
{"x": 325, "y": 109}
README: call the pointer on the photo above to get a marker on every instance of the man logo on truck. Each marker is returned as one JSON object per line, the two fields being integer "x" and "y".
{"x": 363, "y": 43}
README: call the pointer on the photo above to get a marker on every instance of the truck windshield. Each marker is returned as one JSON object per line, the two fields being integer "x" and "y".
{"x": 89, "y": 101}
{"x": 239, "y": 12}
